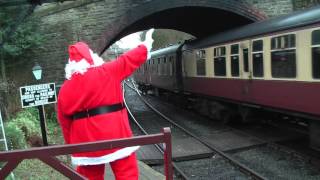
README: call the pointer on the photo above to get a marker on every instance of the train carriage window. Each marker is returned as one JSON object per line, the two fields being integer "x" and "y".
{"x": 161, "y": 67}
{"x": 245, "y": 60}
{"x": 257, "y": 45}
{"x": 158, "y": 67}
{"x": 170, "y": 65}
{"x": 316, "y": 54}
{"x": 235, "y": 49}
{"x": 283, "y": 64}
{"x": 316, "y": 37}
{"x": 165, "y": 72}
{"x": 153, "y": 67}
{"x": 235, "y": 60}
{"x": 283, "y": 56}
{"x": 257, "y": 58}
{"x": 284, "y": 41}
{"x": 201, "y": 62}
{"x": 220, "y": 61}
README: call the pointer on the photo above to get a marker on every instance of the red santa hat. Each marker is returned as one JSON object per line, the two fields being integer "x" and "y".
{"x": 79, "y": 51}
{"x": 81, "y": 58}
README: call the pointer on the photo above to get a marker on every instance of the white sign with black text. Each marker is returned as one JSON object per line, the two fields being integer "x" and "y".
{"x": 36, "y": 95}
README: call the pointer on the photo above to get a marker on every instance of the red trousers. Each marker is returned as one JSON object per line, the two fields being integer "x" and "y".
{"x": 123, "y": 169}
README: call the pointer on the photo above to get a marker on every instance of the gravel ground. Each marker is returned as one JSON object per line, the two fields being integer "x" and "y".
{"x": 276, "y": 164}
{"x": 208, "y": 169}
{"x": 194, "y": 123}
{"x": 214, "y": 168}
{"x": 269, "y": 162}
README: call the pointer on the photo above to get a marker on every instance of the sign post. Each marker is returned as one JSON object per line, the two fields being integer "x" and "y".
{"x": 43, "y": 124}
{"x": 39, "y": 95}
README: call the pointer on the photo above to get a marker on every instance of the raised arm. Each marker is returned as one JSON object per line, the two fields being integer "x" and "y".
{"x": 127, "y": 63}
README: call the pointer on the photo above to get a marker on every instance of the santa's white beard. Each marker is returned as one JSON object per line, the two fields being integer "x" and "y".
{"x": 82, "y": 66}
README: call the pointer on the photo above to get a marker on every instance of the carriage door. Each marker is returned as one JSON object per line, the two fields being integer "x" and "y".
{"x": 246, "y": 69}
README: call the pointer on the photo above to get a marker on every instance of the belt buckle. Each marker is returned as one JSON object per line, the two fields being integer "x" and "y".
{"x": 87, "y": 112}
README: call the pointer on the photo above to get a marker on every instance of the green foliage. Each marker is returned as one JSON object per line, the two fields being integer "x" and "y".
{"x": 23, "y": 40}
{"x": 34, "y": 169}
{"x": 15, "y": 136}
{"x": 51, "y": 113}
{"x": 302, "y": 4}
{"x": 21, "y": 128}
{"x": 18, "y": 39}
{"x": 25, "y": 127}
{"x": 29, "y": 113}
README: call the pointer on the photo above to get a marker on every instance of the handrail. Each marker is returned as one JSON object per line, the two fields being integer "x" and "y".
{"x": 46, "y": 154}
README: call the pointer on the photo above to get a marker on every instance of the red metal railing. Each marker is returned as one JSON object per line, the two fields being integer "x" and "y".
{"x": 47, "y": 154}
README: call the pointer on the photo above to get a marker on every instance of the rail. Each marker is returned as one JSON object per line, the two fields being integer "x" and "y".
{"x": 242, "y": 167}
{"x": 47, "y": 154}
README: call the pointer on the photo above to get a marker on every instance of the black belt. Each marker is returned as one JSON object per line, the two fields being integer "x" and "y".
{"x": 97, "y": 111}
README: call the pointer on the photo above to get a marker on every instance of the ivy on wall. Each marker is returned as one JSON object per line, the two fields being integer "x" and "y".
{"x": 302, "y": 4}
{"x": 17, "y": 41}
{"x": 19, "y": 38}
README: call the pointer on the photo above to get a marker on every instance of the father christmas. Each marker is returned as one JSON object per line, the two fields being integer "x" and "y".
{"x": 90, "y": 108}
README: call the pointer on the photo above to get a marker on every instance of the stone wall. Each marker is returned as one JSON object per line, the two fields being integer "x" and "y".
{"x": 302, "y": 4}
{"x": 273, "y": 8}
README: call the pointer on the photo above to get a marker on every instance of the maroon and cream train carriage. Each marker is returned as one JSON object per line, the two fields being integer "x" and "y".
{"x": 273, "y": 64}
{"x": 161, "y": 69}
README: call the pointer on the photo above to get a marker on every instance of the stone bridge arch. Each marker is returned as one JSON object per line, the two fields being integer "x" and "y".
{"x": 102, "y": 22}
{"x": 144, "y": 15}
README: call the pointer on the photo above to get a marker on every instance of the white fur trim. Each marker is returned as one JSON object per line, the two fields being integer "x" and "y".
{"x": 76, "y": 67}
{"x": 148, "y": 55}
{"x": 121, "y": 153}
{"x": 82, "y": 66}
{"x": 97, "y": 61}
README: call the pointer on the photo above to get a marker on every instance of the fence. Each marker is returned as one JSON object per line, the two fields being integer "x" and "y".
{"x": 47, "y": 154}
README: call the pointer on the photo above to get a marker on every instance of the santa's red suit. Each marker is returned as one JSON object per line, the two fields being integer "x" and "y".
{"x": 90, "y": 84}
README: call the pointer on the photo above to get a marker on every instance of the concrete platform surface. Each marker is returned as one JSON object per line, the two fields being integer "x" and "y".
{"x": 188, "y": 149}
{"x": 230, "y": 140}
{"x": 146, "y": 173}
{"x": 149, "y": 155}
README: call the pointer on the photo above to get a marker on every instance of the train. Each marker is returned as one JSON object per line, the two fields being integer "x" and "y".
{"x": 271, "y": 65}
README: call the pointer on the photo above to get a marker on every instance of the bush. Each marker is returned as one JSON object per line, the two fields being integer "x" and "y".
{"x": 29, "y": 113}
{"x": 24, "y": 127}
{"x": 15, "y": 136}
{"x": 51, "y": 113}
{"x": 27, "y": 121}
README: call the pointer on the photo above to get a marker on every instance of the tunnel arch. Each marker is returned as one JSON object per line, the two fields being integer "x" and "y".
{"x": 162, "y": 13}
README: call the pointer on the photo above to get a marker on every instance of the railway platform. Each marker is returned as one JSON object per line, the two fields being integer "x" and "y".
{"x": 184, "y": 149}
{"x": 146, "y": 172}
{"x": 150, "y": 155}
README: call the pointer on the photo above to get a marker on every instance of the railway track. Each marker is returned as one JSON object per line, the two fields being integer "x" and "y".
{"x": 245, "y": 171}
{"x": 255, "y": 156}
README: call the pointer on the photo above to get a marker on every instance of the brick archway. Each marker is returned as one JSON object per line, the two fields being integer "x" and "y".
{"x": 121, "y": 26}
